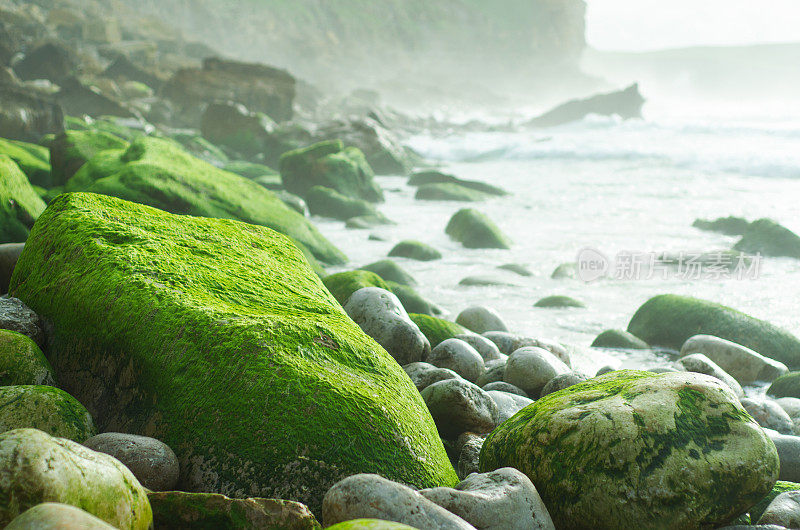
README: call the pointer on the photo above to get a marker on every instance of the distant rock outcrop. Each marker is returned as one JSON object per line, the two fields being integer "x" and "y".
{"x": 624, "y": 103}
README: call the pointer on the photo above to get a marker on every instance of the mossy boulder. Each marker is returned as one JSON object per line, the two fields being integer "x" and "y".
{"x": 436, "y": 329}
{"x": 449, "y": 191}
{"x": 730, "y": 226}
{"x": 415, "y": 250}
{"x": 390, "y": 271}
{"x": 154, "y": 315}
{"x": 370, "y": 524}
{"x": 558, "y": 301}
{"x": 20, "y": 206}
{"x": 57, "y": 516}
{"x": 781, "y": 486}
{"x": 41, "y": 468}
{"x": 767, "y": 237}
{"x": 212, "y": 511}
{"x": 787, "y": 385}
{"x": 412, "y": 301}
{"x": 46, "y": 408}
{"x": 342, "y": 284}
{"x": 32, "y": 159}
{"x": 250, "y": 170}
{"x": 22, "y": 362}
{"x": 474, "y": 230}
{"x": 158, "y": 173}
{"x": 70, "y": 150}
{"x": 331, "y": 165}
{"x": 619, "y": 339}
{"x": 669, "y": 320}
{"x": 423, "y": 178}
{"x": 634, "y": 449}
{"x": 330, "y": 203}
{"x": 201, "y": 148}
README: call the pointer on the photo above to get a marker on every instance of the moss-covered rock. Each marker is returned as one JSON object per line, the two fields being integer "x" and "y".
{"x": 412, "y": 301}
{"x": 731, "y": 226}
{"x": 40, "y": 468}
{"x": 422, "y": 178}
{"x": 635, "y": 449}
{"x": 72, "y": 149}
{"x": 201, "y": 148}
{"x": 558, "y": 301}
{"x": 474, "y": 230}
{"x": 19, "y": 203}
{"x": 619, "y": 339}
{"x": 57, "y": 516}
{"x": 390, "y": 271}
{"x": 158, "y": 173}
{"x": 331, "y": 165}
{"x": 770, "y": 239}
{"x": 46, "y": 408}
{"x": 781, "y": 486}
{"x": 669, "y": 320}
{"x": 787, "y": 385}
{"x": 32, "y": 159}
{"x": 437, "y": 330}
{"x": 180, "y": 510}
{"x": 366, "y": 221}
{"x": 22, "y": 362}
{"x": 342, "y": 284}
{"x": 330, "y": 203}
{"x": 163, "y": 312}
{"x": 250, "y": 170}
{"x": 449, "y": 191}
{"x": 370, "y": 524}
{"x": 415, "y": 250}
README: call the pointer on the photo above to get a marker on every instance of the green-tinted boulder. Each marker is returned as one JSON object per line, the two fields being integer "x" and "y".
{"x": 449, "y": 191}
{"x": 787, "y": 385}
{"x": 770, "y": 239}
{"x": 669, "y": 320}
{"x": 565, "y": 271}
{"x": 639, "y": 450}
{"x": 412, "y": 301}
{"x": 437, "y": 330}
{"x": 558, "y": 301}
{"x": 72, "y": 149}
{"x": 201, "y": 148}
{"x": 619, "y": 339}
{"x": 390, "y": 271}
{"x": 331, "y": 165}
{"x": 731, "y": 226}
{"x": 19, "y": 203}
{"x": 56, "y": 516}
{"x": 32, "y": 159}
{"x": 517, "y": 268}
{"x": 249, "y": 170}
{"x": 22, "y": 362}
{"x": 474, "y": 230}
{"x": 180, "y": 510}
{"x": 780, "y": 487}
{"x": 422, "y": 178}
{"x": 415, "y": 250}
{"x": 367, "y": 221}
{"x": 218, "y": 339}
{"x": 46, "y": 408}
{"x": 40, "y": 468}
{"x": 158, "y": 173}
{"x": 330, "y": 203}
{"x": 342, "y": 284}
{"x": 370, "y": 524}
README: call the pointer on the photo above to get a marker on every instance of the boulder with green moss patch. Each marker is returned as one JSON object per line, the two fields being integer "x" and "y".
{"x": 20, "y": 206}
{"x": 415, "y": 250}
{"x": 250, "y": 170}
{"x": 70, "y": 150}
{"x": 164, "y": 312}
{"x": 342, "y": 284}
{"x": 449, "y": 191}
{"x": 558, "y": 301}
{"x": 41, "y": 468}
{"x": 787, "y": 385}
{"x": 767, "y": 237}
{"x": 22, "y": 362}
{"x": 474, "y": 230}
{"x": 730, "y": 226}
{"x": 619, "y": 339}
{"x": 330, "y": 203}
{"x": 423, "y": 178}
{"x": 437, "y": 329}
{"x": 57, "y": 516}
{"x": 370, "y": 524}
{"x": 412, "y": 301}
{"x": 634, "y": 449}
{"x": 331, "y": 165}
{"x": 32, "y": 159}
{"x": 781, "y": 486}
{"x": 158, "y": 173}
{"x": 390, "y": 271}
{"x": 46, "y": 408}
{"x": 669, "y": 320}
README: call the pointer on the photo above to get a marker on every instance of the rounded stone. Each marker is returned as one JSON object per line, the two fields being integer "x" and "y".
{"x": 151, "y": 461}
{"x": 558, "y": 302}
{"x": 458, "y": 356}
{"x": 788, "y": 447}
{"x": 458, "y": 406}
{"x": 47, "y": 409}
{"x": 502, "y": 386}
{"x": 742, "y": 363}
{"x": 22, "y": 362}
{"x": 424, "y": 374}
{"x": 469, "y": 454}
{"x": 783, "y": 511}
{"x": 508, "y": 404}
{"x": 508, "y": 343}
{"x": 56, "y": 516}
{"x": 532, "y": 368}
{"x": 485, "y": 347}
{"x": 769, "y": 415}
{"x": 619, "y": 339}
{"x": 495, "y": 371}
{"x": 16, "y": 316}
{"x": 481, "y": 319}
{"x": 699, "y": 363}
{"x": 560, "y": 382}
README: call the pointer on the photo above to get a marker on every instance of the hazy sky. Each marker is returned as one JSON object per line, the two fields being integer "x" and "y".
{"x": 654, "y": 24}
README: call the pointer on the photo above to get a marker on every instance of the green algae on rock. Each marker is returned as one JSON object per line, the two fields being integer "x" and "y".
{"x": 72, "y": 149}
{"x": 619, "y": 339}
{"x": 330, "y": 203}
{"x": 390, "y": 271}
{"x": 212, "y": 511}
{"x": 94, "y": 482}
{"x": 47, "y": 409}
{"x": 158, "y": 173}
{"x": 32, "y": 159}
{"x": 767, "y": 237}
{"x": 669, "y": 320}
{"x": 57, "y": 516}
{"x": 331, "y": 165}
{"x": 415, "y": 250}
{"x": 22, "y": 362}
{"x": 342, "y": 284}
{"x": 474, "y": 230}
{"x": 558, "y": 301}
{"x": 787, "y": 385}
{"x": 634, "y": 449}
{"x": 19, "y": 203}
{"x": 370, "y": 524}
{"x": 224, "y": 345}
{"x": 412, "y": 301}
{"x": 449, "y": 191}
{"x": 436, "y": 329}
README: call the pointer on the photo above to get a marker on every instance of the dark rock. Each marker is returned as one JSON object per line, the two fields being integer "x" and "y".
{"x": 16, "y": 316}
{"x": 624, "y": 103}
{"x": 49, "y": 61}
{"x": 730, "y": 226}
{"x": 26, "y": 116}
{"x": 9, "y": 254}
{"x": 78, "y": 99}
{"x": 231, "y": 125}
{"x": 122, "y": 68}
{"x": 770, "y": 239}
{"x": 415, "y": 250}
{"x": 423, "y": 178}
{"x": 151, "y": 461}
{"x": 390, "y": 271}
{"x": 382, "y": 149}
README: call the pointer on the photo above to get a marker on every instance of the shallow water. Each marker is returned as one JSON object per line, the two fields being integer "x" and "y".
{"x": 613, "y": 186}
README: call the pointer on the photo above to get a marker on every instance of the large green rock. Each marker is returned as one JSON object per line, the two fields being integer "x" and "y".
{"x": 474, "y": 230}
{"x": 370, "y": 524}
{"x": 19, "y": 203}
{"x": 32, "y": 159}
{"x": 619, "y": 339}
{"x": 669, "y": 320}
{"x": 22, "y": 362}
{"x": 787, "y": 385}
{"x": 342, "y": 284}
{"x": 767, "y": 237}
{"x": 436, "y": 329}
{"x": 333, "y": 166}
{"x": 217, "y": 338}
{"x": 639, "y": 450}
{"x": 46, "y": 408}
{"x": 72, "y": 149}
{"x": 390, "y": 271}
{"x": 158, "y": 173}
{"x": 330, "y": 203}
{"x": 422, "y": 178}
{"x": 39, "y": 468}
{"x": 415, "y": 250}
{"x": 449, "y": 191}
{"x": 56, "y": 516}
